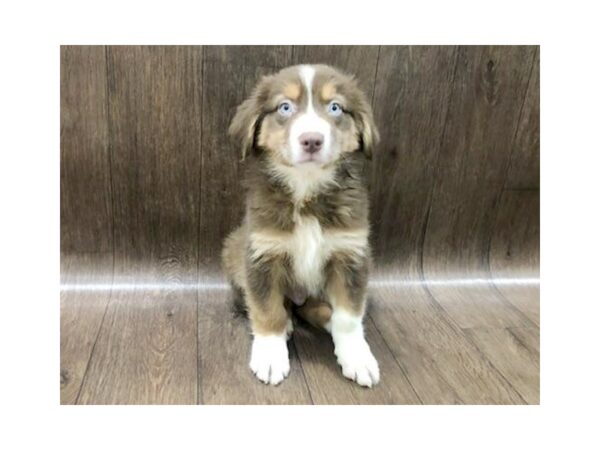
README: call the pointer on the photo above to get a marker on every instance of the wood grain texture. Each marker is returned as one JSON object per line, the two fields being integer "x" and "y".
{"x": 410, "y": 105}
{"x": 155, "y": 104}
{"x": 515, "y": 251}
{"x": 515, "y": 353}
{"x": 224, "y": 342}
{"x": 146, "y": 349}
{"x": 440, "y": 362}
{"x": 85, "y": 186}
{"x": 524, "y": 170}
{"x": 274, "y": 56}
{"x": 515, "y": 244}
{"x": 146, "y": 352}
{"x": 486, "y": 101}
{"x": 150, "y": 185}
{"x": 82, "y": 310}
{"x": 324, "y": 376}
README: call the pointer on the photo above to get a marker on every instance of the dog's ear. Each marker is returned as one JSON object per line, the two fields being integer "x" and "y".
{"x": 245, "y": 124}
{"x": 368, "y": 134}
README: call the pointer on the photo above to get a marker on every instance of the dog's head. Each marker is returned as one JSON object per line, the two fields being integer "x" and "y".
{"x": 305, "y": 117}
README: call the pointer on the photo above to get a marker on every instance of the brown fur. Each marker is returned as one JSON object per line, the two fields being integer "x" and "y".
{"x": 292, "y": 90}
{"x": 328, "y": 92}
{"x": 316, "y": 312}
{"x": 272, "y": 212}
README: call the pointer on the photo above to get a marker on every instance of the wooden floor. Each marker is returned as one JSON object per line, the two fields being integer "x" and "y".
{"x": 460, "y": 342}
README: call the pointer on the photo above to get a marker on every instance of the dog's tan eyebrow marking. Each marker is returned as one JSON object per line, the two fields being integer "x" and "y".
{"x": 328, "y": 91}
{"x": 292, "y": 91}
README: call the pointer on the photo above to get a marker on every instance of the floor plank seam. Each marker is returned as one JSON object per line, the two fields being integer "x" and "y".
{"x": 293, "y": 341}
{"x": 519, "y": 117}
{"x": 506, "y": 302}
{"x": 491, "y": 364}
{"x": 199, "y": 391}
{"x": 110, "y": 161}
{"x": 431, "y": 193}
{"x": 498, "y": 371}
{"x": 387, "y": 345}
{"x": 445, "y": 316}
{"x": 503, "y": 189}
{"x": 89, "y": 362}
{"x": 112, "y": 205}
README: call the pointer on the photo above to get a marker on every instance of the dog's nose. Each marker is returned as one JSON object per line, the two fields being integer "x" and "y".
{"x": 311, "y": 142}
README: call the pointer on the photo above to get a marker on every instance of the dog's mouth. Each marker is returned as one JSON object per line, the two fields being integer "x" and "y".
{"x": 309, "y": 159}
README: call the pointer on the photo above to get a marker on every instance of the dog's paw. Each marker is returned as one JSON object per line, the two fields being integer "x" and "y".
{"x": 269, "y": 360}
{"x": 357, "y": 361}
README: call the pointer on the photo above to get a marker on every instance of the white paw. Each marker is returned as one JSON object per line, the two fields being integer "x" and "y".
{"x": 357, "y": 361}
{"x": 269, "y": 359}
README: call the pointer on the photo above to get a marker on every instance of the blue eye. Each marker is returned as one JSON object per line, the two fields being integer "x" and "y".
{"x": 334, "y": 109}
{"x": 285, "y": 109}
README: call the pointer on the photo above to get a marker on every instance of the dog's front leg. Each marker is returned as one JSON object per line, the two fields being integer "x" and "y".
{"x": 346, "y": 291}
{"x": 269, "y": 359}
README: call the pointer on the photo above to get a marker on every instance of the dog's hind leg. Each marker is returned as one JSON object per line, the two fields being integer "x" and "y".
{"x": 316, "y": 312}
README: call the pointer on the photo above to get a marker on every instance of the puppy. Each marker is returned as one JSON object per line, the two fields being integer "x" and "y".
{"x": 304, "y": 241}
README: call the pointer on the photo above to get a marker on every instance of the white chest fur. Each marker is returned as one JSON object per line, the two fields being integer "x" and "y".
{"x": 309, "y": 251}
{"x": 309, "y": 246}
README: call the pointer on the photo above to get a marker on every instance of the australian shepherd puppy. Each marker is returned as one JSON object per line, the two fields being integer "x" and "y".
{"x": 304, "y": 242}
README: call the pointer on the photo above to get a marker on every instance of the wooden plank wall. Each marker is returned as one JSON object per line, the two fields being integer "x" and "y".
{"x": 149, "y": 175}
{"x": 150, "y": 186}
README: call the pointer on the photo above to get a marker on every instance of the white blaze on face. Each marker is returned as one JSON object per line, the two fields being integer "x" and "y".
{"x": 308, "y": 121}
